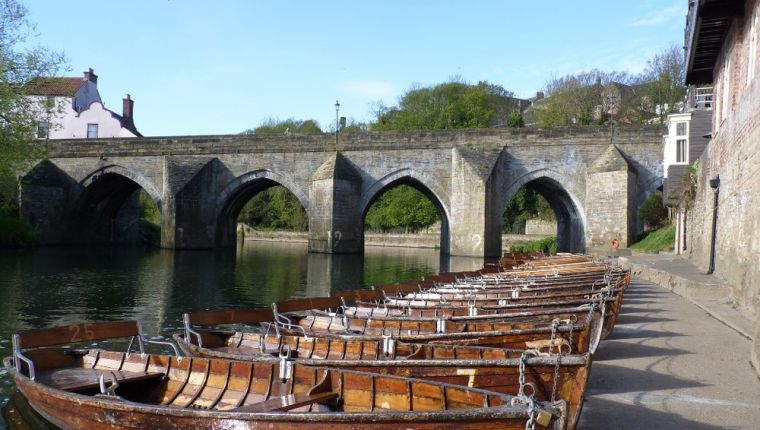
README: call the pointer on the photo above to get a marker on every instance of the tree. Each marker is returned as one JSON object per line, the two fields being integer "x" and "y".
{"x": 576, "y": 99}
{"x": 275, "y": 208}
{"x": 19, "y": 64}
{"x": 662, "y": 87}
{"x": 526, "y": 204}
{"x": 515, "y": 120}
{"x": 451, "y": 105}
{"x": 274, "y": 126}
{"x": 401, "y": 208}
{"x": 653, "y": 212}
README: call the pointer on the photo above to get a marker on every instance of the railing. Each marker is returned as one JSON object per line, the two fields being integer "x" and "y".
{"x": 699, "y": 98}
{"x": 703, "y": 98}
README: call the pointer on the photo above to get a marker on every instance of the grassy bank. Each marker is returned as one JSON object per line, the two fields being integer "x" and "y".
{"x": 14, "y": 232}
{"x": 655, "y": 241}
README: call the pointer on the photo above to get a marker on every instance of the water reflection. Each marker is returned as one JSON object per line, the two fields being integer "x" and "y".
{"x": 53, "y": 286}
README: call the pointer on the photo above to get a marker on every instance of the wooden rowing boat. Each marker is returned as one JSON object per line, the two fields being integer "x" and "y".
{"x": 496, "y": 369}
{"x": 96, "y": 389}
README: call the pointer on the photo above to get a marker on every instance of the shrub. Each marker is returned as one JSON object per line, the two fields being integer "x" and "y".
{"x": 548, "y": 246}
{"x": 15, "y": 232}
{"x": 653, "y": 212}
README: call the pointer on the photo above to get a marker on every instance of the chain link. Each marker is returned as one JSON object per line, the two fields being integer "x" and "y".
{"x": 552, "y": 339}
{"x": 556, "y": 375}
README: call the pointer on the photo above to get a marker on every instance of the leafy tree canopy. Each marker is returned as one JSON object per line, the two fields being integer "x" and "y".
{"x": 580, "y": 99}
{"x": 20, "y": 62}
{"x": 275, "y": 208}
{"x": 401, "y": 208}
{"x": 274, "y": 126}
{"x": 451, "y": 105}
{"x": 526, "y": 204}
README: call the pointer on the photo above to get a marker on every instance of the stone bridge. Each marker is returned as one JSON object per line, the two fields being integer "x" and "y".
{"x": 85, "y": 192}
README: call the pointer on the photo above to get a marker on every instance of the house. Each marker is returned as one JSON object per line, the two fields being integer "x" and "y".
{"x": 71, "y": 108}
{"x": 686, "y": 140}
{"x": 723, "y": 220}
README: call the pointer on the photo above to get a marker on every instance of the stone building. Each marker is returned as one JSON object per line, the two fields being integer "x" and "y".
{"x": 724, "y": 217}
{"x": 71, "y": 107}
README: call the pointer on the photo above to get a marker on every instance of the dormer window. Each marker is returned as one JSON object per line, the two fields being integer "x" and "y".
{"x": 92, "y": 131}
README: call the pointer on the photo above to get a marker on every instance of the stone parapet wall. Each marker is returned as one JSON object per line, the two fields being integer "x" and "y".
{"x": 541, "y": 227}
{"x": 236, "y": 144}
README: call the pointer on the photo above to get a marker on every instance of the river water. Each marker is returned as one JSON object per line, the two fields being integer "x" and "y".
{"x": 44, "y": 287}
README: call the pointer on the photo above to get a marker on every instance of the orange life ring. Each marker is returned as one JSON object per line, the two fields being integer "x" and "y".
{"x": 614, "y": 243}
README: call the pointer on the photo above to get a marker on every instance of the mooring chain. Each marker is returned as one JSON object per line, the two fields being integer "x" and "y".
{"x": 552, "y": 339}
{"x": 535, "y": 414}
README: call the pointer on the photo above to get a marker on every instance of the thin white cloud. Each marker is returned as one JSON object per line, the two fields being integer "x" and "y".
{"x": 372, "y": 90}
{"x": 660, "y": 16}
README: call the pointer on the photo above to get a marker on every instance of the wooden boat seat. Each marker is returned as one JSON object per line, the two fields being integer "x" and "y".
{"x": 288, "y": 402}
{"x": 82, "y": 379}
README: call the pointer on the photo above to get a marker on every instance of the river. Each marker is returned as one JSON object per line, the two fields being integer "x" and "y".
{"x": 43, "y": 287}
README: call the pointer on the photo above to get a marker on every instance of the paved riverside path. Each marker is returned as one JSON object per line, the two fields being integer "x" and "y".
{"x": 670, "y": 365}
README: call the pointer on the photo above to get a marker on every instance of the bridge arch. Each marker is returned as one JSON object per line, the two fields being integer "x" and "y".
{"x": 99, "y": 211}
{"x": 236, "y": 194}
{"x": 571, "y": 217}
{"x": 420, "y": 183}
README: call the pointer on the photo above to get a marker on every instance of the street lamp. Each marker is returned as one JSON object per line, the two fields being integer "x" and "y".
{"x": 611, "y": 99}
{"x": 337, "y": 120}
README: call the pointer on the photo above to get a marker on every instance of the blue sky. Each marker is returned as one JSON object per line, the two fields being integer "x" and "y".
{"x": 220, "y": 67}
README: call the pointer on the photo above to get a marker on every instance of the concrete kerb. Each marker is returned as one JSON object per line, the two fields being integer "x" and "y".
{"x": 709, "y": 293}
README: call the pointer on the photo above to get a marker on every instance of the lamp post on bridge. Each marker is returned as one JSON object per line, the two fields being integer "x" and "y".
{"x": 337, "y": 121}
{"x": 611, "y": 99}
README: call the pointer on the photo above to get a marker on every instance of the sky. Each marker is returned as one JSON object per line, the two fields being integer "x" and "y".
{"x": 221, "y": 67}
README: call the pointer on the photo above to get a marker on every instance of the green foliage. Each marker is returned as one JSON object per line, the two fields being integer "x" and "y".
{"x": 275, "y": 208}
{"x": 653, "y": 212}
{"x": 526, "y": 204}
{"x": 19, "y": 63}
{"x": 150, "y": 219}
{"x": 662, "y": 239}
{"x": 575, "y": 99}
{"x": 148, "y": 209}
{"x": 15, "y": 232}
{"x": 547, "y": 246}
{"x": 450, "y": 105}
{"x": 581, "y": 98}
{"x": 274, "y": 126}
{"x": 515, "y": 120}
{"x": 352, "y": 127}
{"x": 662, "y": 82}
{"x": 401, "y": 208}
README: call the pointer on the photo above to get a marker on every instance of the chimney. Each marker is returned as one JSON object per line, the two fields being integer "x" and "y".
{"x": 128, "y": 109}
{"x": 91, "y": 76}
{"x": 539, "y": 95}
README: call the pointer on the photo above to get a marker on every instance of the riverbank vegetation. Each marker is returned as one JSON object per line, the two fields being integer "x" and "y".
{"x": 150, "y": 220}
{"x": 21, "y": 60}
{"x": 547, "y": 246}
{"x": 402, "y": 209}
{"x": 275, "y": 208}
{"x": 14, "y": 232}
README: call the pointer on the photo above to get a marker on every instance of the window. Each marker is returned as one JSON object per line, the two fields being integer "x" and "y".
{"x": 752, "y": 50}
{"x": 681, "y": 129}
{"x": 43, "y": 128}
{"x": 726, "y": 102}
{"x": 92, "y": 131}
{"x": 681, "y": 151}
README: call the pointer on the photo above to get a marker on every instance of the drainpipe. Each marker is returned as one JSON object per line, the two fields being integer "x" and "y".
{"x": 715, "y": 185}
